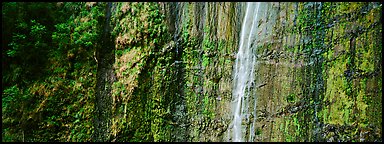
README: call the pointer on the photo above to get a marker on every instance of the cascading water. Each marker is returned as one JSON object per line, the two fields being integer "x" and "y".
{"x": 244, "y": 74}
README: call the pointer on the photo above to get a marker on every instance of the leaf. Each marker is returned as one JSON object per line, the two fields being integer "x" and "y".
{"x": 11, "y": 52}
{"x": 76, "y": 121}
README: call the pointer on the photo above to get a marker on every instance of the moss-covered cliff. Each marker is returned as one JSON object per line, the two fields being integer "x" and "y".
{"x": 318, "y": 72}
{"x": 164, "y": 72}
{"x": 321, "y": 63}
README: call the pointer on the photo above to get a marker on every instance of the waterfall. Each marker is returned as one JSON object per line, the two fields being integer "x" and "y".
{"x": 244, "y": 74}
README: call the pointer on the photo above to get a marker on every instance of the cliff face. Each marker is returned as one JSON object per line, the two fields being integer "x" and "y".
{"x": 170, "y": 81}
{"x": 317, "y": 75}
{"x": 321, "y": 66}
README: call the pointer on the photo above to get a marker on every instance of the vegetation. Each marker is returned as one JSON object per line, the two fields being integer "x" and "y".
{"x": 48, "y": 71}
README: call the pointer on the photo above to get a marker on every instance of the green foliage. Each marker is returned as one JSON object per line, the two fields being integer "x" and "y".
{"x": 9, "y": 98}
{"x": 26, "y": 36}
{"x": 37, "y": 30}
{"x": 291, "y": 98}
{"x": 41, "y": 109}
{"x": 12, "y": 110}
{"x": 14, "y": 45}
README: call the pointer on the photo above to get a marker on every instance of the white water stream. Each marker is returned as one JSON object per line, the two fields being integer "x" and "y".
{"x": 244, "y": 75}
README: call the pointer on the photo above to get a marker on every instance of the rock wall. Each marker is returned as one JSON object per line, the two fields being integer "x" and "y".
{"x": 321, "y": 66}
{"x": 318, "y": 72}
{"x": 207, "y": 35}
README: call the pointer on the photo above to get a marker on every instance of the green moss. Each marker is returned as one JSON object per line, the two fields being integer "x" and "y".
{"x": 291, "y": 98}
